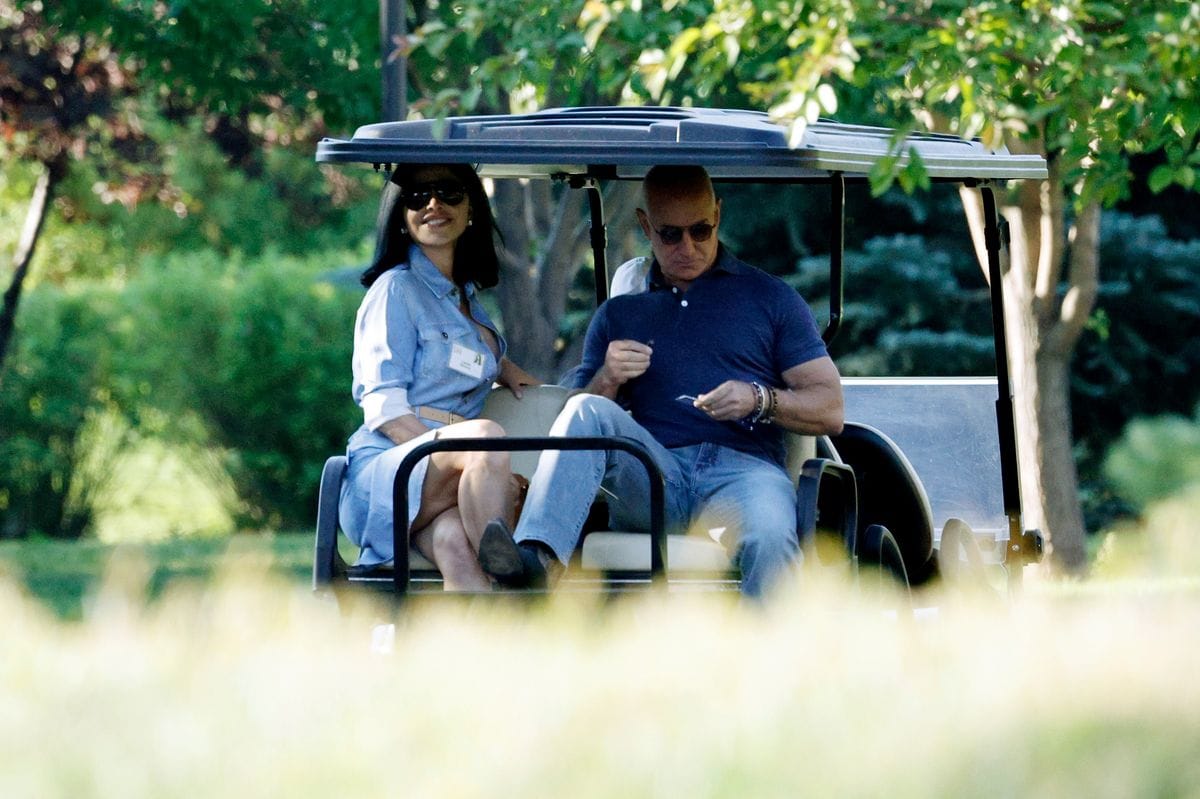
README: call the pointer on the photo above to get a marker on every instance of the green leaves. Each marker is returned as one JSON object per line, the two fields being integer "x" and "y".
{"x": 249, "y": 357}
{"x": 1165, "y": 175}
{"x": 1155, "y": 458}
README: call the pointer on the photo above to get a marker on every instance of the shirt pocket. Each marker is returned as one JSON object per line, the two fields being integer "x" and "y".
{"x": 437, "y": 340}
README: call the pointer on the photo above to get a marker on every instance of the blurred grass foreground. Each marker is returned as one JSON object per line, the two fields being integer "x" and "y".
{"x": 248, "y": 685}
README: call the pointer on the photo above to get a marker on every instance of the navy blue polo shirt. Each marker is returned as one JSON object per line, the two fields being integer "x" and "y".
{"x": 734, "y": 322}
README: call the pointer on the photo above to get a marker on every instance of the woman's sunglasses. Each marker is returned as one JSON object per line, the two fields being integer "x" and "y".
{"x": 447, "y": 191}
{"x": 672, "y": 235}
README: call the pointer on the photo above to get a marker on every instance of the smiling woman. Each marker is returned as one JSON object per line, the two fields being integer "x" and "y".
{"x": 425, "y": 356}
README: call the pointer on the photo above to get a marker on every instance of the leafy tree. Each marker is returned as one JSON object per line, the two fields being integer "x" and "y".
{"x": 1084, "y": 83}
{"x": 257, "y": 74}
{"x": 50, "y": 86}
{"x": 246, "y": 358}
{"x": 60, "y": 382}
{"x": 259, "y": 351}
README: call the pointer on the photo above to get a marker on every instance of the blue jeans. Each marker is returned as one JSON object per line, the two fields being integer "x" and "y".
{"x": 709, "y": 487}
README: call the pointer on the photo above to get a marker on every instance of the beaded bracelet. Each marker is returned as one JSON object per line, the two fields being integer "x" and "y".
{"x": 760, "y": 403}
{"x": 772, "y": 404}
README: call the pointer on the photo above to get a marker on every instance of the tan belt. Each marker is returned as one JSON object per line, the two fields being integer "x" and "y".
{"x": 437, "y": 415}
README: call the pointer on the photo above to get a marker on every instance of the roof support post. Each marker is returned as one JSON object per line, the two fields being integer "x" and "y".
{"x": 599, "y": 235}
{"x": 837, "y": 246}
{"x": 393, "y": 26}
{"x": 1015, "y": 556}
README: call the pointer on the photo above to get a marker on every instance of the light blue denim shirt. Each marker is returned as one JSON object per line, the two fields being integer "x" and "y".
{"x": 412, "y": 346}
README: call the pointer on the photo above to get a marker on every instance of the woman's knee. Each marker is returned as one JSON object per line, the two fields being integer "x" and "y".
{"x": 479, "y": 428}
{"x": 491, "y": 462}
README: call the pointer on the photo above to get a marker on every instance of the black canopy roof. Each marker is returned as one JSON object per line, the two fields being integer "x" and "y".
{"x": 623, "y": 142}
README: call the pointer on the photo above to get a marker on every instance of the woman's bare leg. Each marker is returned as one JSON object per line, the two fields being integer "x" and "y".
{"x": 444, "y": 541}
{"x": 479, "y": 484}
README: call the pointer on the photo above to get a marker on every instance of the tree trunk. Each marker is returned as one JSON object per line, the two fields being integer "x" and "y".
{"x": 1044, "y": 324}
{"x": 546, "y": 241}
{"x": 531, "y": 300}
{"x": 43, "y": 190}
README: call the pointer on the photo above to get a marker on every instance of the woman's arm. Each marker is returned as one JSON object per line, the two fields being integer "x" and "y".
{"x": 402, "y": 428}
{"x": 513, "y": 377}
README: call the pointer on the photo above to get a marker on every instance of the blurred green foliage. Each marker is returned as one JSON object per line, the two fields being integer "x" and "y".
{"x": 263, "y": 351}
{"x": 1155, "y": 458}
{"x": 1140, "y": 356}
{"x": 915, "y": 310}
{"x": 286, "y": 203}
{"x": 249, "y": 356}
{"x": 1142, "y": 351}
{"x": 197, "y": 319}
{"x": 60, "y": 376}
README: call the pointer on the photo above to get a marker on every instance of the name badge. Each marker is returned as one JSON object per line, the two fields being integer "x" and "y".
{"x": 467, "y": 361}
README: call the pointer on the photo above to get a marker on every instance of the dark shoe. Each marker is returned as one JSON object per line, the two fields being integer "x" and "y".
{"x": 513, "y": 565}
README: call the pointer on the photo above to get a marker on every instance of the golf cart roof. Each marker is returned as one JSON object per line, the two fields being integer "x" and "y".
{"x": 623, "y": 142}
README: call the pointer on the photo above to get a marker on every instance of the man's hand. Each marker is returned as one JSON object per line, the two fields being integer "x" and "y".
{"x": 624, "y": 360}
{"x": 732, "y": 400}
{"x": 627, "y": 359}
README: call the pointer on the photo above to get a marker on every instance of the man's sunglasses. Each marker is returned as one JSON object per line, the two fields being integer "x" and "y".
{"x": 447, "y": 191}
{"x": 672, "y": 234}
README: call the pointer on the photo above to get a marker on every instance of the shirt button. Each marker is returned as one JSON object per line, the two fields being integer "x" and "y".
{"x": 683, "y": 303}
{"x": 445, "y": 334}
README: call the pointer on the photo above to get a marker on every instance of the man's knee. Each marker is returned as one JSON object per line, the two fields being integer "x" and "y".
{"x": 767, "y": 527}
{"x": 777, "y": 543}
{"x": 764, "y": 555}
{"x": 586, "y": 414}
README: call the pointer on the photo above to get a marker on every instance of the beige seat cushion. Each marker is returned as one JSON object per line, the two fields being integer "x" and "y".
{"x": 620, "y": 551}
{"x": 532, "y": 415}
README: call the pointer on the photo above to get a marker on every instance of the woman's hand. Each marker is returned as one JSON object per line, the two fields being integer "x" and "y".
{"x": 514, "y": 377}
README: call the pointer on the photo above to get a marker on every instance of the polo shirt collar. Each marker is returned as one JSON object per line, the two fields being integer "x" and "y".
{"x": 725, "y": 263}
{"x": 430, "y": 275}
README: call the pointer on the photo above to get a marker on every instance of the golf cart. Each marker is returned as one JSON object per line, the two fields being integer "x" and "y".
{"x": 923, "y": 479}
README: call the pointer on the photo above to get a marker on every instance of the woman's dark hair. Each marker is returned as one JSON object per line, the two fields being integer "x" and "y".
{"x": 475, "y": 258}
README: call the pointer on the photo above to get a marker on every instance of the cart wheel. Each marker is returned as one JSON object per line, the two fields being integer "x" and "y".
{"x": 878, "y": 546}
{"x": 960, "y": 563}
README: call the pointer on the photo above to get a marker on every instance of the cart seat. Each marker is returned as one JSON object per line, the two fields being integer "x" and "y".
{"x": 532, "y": 415}
{"x": 809, "y": 458}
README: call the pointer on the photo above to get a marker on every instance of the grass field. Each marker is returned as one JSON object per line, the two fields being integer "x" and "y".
{"x": 208, "y": 668}
{"x": 62, "y": 574}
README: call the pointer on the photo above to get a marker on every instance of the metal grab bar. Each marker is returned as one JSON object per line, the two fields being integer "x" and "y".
{"x": 400, "y": 531}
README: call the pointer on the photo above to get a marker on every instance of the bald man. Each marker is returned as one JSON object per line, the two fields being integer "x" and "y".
{"x": 706, "y": 368}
